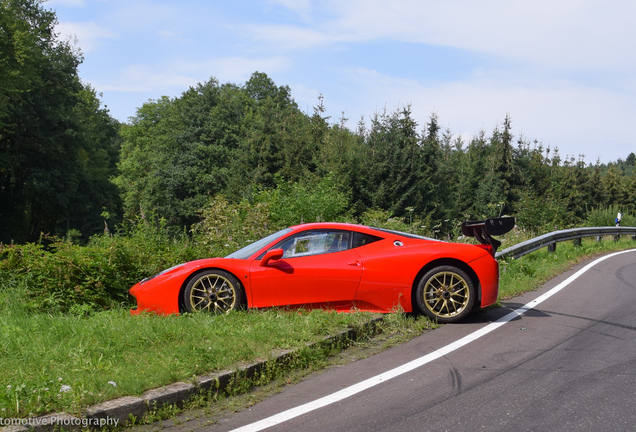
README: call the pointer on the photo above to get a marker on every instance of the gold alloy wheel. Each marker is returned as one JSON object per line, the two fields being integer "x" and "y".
{"x": 446, "y": 294}
{"x": 212, "y": 293}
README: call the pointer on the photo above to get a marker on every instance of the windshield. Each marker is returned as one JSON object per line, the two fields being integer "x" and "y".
{"x": 251, "y": 249}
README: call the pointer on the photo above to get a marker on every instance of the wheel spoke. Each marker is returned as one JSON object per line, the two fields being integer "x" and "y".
{"x": 222, "y": 306}
{"x": 453, "y": 285}
{"x": 455, "y": 304}
{"x": 436, "y": 302}
{"x": 200, "y": 301}
{"x": 213, "y": 284}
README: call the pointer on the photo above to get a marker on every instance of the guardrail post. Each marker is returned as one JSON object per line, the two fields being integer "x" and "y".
{"x": 617, "y": 237}
{"x": 552, "y": 247}
{"x": 598, "y": 239}
{"x": 577, "y": 241}
{"x": 634, "y": 237}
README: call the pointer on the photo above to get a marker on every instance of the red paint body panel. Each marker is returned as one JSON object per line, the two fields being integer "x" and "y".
{"x": 306, "y": 280}
{"x": 379, "y": 276}
{"x": 487, "y": 271}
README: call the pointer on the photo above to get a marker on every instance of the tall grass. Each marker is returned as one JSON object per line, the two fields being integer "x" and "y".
{"x": 606, "y": 216}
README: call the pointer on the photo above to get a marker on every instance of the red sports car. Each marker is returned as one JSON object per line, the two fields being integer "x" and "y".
{"x": 337, "y": 266}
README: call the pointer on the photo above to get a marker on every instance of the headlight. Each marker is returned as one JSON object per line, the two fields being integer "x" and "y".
{"x": 160, "y": 273}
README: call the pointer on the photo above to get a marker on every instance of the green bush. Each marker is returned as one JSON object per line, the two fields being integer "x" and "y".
{"x": 59, "y": 275}
{"x": 541, "y": 214}
{"x": 312, "y": 201}
{"x": 606, "y": 216}
{"x": 383, "y": 219}
{"x": 226, "y": 227}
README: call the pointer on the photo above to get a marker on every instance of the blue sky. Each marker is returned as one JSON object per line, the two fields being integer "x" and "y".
{"x": 564, "y": 70}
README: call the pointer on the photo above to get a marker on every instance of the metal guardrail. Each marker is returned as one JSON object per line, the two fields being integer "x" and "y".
{"x": 551, "y": 239}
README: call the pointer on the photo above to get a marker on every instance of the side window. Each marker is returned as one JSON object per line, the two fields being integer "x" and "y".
{"x": 360, "y": 239}
{"x": 315, "y": 243}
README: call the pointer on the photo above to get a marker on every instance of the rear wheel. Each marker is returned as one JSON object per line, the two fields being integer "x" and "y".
{"x": 214, "y": 291}
{"x": 445, "y": 294}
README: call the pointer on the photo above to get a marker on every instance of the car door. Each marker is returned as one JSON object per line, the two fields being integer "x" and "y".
{"x": 317, "y": 267}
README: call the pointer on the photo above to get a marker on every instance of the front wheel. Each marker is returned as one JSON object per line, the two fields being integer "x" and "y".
{"x": 445, "y": 294}
{"x": 214, "y": 291}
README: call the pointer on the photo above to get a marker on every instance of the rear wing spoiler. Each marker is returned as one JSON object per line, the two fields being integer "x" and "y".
{"x": 483, "y": 230}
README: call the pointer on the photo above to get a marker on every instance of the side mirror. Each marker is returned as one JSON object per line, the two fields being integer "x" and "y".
{"x": 271, "y": 255}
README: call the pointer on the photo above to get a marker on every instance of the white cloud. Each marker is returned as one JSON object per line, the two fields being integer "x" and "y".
{"x": 175, "y": 76}
{"x": 146, "y": 16}
{"x": 288, "y": 37}
{"x": 170, "y": 34}
{"x": 302, "y": 8}
{"x": 71, "y": 3}
{"x": 234, "y": 69}
{"x": 145, "y": 78}
{"x": 568, "y": 34}
{"x": 89, "y": 35}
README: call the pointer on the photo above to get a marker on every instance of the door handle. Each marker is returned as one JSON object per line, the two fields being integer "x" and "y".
{"x": 355, "y": 263}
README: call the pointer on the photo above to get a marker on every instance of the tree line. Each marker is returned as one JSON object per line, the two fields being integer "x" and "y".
{"x": 67, "y": 165}
{"x": 238, "y": 141}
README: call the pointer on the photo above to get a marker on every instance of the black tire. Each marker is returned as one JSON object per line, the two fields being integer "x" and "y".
{"x": 445, "y": 294}
{"x": 215, "y": 292}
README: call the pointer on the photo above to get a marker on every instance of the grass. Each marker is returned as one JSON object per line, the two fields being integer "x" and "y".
{"x": 66, "y": 362}
{"x": 63, "y": 362}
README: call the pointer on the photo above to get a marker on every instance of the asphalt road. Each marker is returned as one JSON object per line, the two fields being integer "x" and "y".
{"x": 567, "y": 364}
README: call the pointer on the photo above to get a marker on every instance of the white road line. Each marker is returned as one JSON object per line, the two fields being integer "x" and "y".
{"x": 414, "y": 364}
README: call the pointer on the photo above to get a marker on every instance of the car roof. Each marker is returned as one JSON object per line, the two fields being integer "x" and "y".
{"x": 331, "y": 225}
{"x": 356, "y": 227}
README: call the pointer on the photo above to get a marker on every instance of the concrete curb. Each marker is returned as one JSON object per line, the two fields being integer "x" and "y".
{"x": 117, "y": 412}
